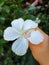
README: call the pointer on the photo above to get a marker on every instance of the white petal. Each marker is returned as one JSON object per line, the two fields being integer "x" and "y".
{"x": 20, "y": 46}
{"x": 29, "y": 24}
{"x": 10, "y": 34}
{"x": 36, "y": 37}
{"x": 18, "y": 24}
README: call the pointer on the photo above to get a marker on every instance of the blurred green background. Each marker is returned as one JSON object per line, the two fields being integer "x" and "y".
{"x": 13, "y": 9}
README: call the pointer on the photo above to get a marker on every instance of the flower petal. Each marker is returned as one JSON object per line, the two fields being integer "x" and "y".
{"x": 18, "y": 24}
{"x": 29, "y": 24}
{"x": 10, "y": 34}
{"x": 36, "y": 37}
{"x": 20, "y": 46}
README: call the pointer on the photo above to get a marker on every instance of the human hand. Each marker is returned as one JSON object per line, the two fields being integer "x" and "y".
{"x": 41, "y": 51}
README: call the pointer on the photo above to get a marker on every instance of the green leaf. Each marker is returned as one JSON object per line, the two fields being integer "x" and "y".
{"x": 29, "y": 16}
{"x": 1, "y": 32}
{"x": 19, "y": 1}
{"x": 31, "y": 8}
{"x": 2, "y": 41}
{"x": 6, "y": 9}
{"x": 1, "y": 49}
{"x": 1, "y": 2}
{"x": 2, "y": 19}
{"x": 8, "y": 61}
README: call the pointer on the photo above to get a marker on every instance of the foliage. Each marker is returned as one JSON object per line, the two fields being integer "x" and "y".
{"x": 12, "y": 9}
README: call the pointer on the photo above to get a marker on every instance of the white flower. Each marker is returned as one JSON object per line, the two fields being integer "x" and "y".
{"x": 17, "y": 32}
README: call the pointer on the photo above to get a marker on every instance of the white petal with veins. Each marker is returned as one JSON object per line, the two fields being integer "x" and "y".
{"x": 36, "y": 37}
{"x": 18, "y": 24}
{"x": 20, "y": 46}
{"x": 10, "y": 34}
{"x": 30, "y": 24}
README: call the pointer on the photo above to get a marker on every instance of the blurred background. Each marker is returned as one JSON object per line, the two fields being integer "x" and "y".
{"x": 13, "y": 9}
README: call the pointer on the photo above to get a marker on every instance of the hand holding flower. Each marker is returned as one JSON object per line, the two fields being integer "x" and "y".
{"x": 26, "y": 33}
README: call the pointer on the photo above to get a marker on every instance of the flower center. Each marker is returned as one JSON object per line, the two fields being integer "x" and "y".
{"x": 27, "y": 34}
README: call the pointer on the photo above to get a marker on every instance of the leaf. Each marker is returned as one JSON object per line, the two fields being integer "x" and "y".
{"x": 1, "y": 49}
{"x": 31, "y": 8}
{"x": 29, "y": 16}
{"x": 1, "y": 32}
{"x": 8, "y": 61}
{"x": 1, "y": 2}
{"x": 19, "y": 1}
{"x": 2, "y": 41}
{"x": 18, "y": 13}
{"x": 6, "y": 9}
{"x": 2, "y": 19}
